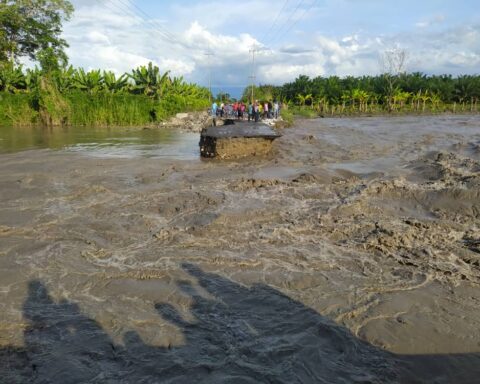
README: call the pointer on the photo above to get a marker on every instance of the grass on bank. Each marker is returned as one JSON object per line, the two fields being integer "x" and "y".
{"x": 16, "y": 109}
{"x": 66, "y": 96}
{"x": 49, "y": 108}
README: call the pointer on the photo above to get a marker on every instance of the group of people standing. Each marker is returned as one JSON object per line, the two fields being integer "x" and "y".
{"x": 241, "y": 111}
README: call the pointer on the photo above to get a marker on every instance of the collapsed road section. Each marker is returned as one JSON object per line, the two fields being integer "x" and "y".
{"x": 241, "y": 139}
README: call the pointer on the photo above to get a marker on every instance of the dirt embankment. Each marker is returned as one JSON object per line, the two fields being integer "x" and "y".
{"x": 189, "y": 121}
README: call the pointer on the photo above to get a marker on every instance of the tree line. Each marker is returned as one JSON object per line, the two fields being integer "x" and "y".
{"x": 411, "y": 92}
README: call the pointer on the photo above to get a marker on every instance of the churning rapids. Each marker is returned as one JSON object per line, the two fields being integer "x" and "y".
{"x": 350, "y": 255}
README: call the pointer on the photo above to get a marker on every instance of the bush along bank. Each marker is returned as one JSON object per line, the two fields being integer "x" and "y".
{"x": 69, "y": 96}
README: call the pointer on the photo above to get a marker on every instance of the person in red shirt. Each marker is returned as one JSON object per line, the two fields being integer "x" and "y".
{"x": 235, "y": 109}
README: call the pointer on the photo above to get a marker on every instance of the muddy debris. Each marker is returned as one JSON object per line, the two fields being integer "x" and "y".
{"x": 349, "y": 254}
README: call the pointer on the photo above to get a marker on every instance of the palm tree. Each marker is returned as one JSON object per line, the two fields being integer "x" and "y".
{"x": 464, "y": 87}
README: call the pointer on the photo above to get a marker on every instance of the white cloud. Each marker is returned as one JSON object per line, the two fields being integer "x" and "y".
{"x": 454, "y": 51}
{"x": 177, "y": 66}
{"x": 437, "y": 19}
{"x": 96, "y": 37}
{"x": 108, "y": 35}
{"x": 286, "y": 72}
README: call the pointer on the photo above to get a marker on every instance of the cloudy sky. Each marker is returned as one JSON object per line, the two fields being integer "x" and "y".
{"x": 293, "y": 37}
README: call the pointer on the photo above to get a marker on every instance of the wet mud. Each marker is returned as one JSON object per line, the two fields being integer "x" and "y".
{"x": 349, "y": 254}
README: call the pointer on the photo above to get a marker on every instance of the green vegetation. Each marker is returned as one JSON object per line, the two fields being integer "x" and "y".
{"x": 387, "y": 93}
{"x": 287, "y": 116}
{"x": 32, "y": 28}
{"x": 57, "y": 94}
{"x": 16, "y": 108}
{"x": 68, "y": 96}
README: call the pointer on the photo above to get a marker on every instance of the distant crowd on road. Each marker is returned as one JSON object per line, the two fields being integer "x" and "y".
{"x": 251, "y": 111}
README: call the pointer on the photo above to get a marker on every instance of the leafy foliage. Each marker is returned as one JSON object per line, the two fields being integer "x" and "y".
{"x": 12, "y": 79}
{"x": 149, "y": 81}
{"x": 415, "y": 92}
{"x": 66, "y": 95}
{"x": 32, "y": 28}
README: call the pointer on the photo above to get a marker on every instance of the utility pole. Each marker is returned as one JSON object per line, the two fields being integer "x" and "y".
{"x": 209, "y": 54}
{"x": 253, "y": 77}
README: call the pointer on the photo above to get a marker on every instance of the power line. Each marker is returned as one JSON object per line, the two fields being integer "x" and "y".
{"x": 160, "y": 27}
{"x": 275, "y": 21}
{"x": 296, "y": 21}
{"x": 287, "y": 21}
{"x": 126, "y": 9}
{"x": 168, "y": 36}
{"x": 130, "y": 9}
{"x": 279, "y": 35}
{"x": 128, "y": 12}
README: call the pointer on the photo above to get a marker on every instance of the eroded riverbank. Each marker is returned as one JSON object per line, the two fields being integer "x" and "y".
{"x": 273, "y": 270}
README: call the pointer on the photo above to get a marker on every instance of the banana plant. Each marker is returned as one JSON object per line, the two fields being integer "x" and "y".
{"x": 64, "y": 79}
{"x": 12, "y": 78}
{"x": 424, "y": 97}
{"x": 32, "y": 79}
{"x": 90, "y": 82}
{"x": 147, "y": 80}
{"x": 302, "y": 99}
{"x": 362, "y": 97}
{"x": 113, "y": 84}
{"x": 322, "y": 102}
{"x": 435, "y": 99}
{"x": 416, "y": 99}
{"x": 164, "y": 83}
{"x": 401, "y": 97}
{"x": 175, "y": 85}
{"x": 346, "y": 97}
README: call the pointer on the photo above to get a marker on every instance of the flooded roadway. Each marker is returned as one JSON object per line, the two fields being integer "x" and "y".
{"x": 351, "y": 254}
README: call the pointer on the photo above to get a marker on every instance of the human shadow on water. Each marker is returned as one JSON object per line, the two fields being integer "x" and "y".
{"x": 239, "y": 335}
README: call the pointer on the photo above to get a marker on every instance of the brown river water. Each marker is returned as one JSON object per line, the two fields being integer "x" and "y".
{"x": 350, "y": 255}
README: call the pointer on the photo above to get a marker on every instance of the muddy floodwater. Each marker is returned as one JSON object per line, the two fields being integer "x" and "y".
{"x": 350, "y": 255}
